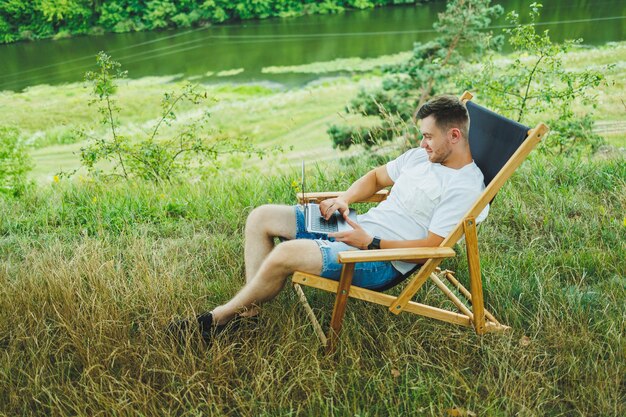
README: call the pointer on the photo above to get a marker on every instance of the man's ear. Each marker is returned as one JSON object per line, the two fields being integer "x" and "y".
{"x": 455, "y": 135}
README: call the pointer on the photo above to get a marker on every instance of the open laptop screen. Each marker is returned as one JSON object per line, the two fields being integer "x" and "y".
{"x": 305, "y": 203}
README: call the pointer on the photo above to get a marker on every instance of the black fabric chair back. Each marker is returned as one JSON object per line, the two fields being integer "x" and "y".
{"x": 493, "y": 139}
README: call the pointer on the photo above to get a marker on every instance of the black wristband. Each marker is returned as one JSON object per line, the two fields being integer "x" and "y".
{"x": 375, "y": 244}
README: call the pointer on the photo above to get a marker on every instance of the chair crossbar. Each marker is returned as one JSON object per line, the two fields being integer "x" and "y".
{"x": 376, "y": 297}
{"x": 458, "y": 286}
{"x": 454, "y": 298}
{"x": 457, "y": 302}
{"x": 465, "y": 318}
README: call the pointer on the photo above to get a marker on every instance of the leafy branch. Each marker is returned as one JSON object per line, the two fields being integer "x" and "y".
{"x": 153, "y": 158}
{"x": 463, "y": 37}
{"x": 538, "y": 83}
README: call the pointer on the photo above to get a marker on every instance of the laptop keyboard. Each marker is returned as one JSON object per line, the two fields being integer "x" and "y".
{"x": 323, "y": 225}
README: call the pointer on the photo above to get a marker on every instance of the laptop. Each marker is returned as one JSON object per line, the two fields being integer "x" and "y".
{"x": 314, "y": 221}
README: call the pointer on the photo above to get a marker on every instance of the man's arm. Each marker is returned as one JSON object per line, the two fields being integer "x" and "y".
{"x": 361, "y": 189}
{"x": 359, "y": 238}
{"x": 368, "y": 185}
{"x": 431, "y": 240}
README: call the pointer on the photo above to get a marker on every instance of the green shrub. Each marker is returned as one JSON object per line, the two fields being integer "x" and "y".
{"x": 571, "y": 135}
{"x": 14, "y": 162}
{"x": 535, "y": 82}
{"x": 463, "y": 37}
{"x": 153, "y": 158}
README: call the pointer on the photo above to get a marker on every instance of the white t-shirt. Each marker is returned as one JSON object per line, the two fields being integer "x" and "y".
{"x": 425, "y": 196}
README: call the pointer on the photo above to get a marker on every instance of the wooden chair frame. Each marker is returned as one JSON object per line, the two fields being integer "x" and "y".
{"x": 474, "y": 316}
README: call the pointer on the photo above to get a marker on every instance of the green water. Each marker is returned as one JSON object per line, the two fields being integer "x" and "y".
{"x": 252, "y": 45}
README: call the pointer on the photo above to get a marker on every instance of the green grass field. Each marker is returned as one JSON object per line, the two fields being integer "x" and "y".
{"x": 91, "y": 273}
{"x": 295, "y": 118}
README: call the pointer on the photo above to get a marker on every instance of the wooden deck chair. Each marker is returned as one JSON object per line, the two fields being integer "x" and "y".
{"x": 498, "y": 146}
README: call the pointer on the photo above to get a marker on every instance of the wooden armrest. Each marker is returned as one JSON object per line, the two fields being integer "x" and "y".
{"x": 404, "y": 254}
{"x": 317, "y": 197}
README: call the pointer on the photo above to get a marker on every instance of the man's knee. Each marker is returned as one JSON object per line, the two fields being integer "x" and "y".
{"x": 296, "y": 255}
{"x": 256, "y": 215}
{"x": 259, "y": 217}
{"x": 275, "y": 220}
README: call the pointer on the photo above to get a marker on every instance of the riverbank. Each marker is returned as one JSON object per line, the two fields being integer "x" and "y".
{"x": 29, "y": 21}
{"x": 268, "y": 114}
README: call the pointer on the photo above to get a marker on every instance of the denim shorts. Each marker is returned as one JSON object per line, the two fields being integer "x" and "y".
{"x": 366, "y": 274}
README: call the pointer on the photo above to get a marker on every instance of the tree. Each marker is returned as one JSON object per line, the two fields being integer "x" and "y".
{"x": 153, "y": 157}
{"x": 535, "y": 82}
{"x": 22, "y": 19}
{"x": 462, "y": 39}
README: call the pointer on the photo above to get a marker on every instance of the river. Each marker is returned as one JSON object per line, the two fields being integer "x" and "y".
{"x": 210, "y": 54}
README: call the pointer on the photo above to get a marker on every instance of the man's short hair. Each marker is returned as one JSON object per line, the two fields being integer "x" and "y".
{"x": 448, "y": 112}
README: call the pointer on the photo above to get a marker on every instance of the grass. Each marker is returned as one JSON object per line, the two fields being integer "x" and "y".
{"x": 91, "y": 274}
{"x": 295, "y": 119}
{"x": 342, "y": 64}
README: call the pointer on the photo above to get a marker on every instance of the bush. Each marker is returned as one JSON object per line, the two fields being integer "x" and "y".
{"x": 535, "y": 82}
{"x": 572, "y": 135}
{"x": 463, "y": 37}
{"x": 14, "y": 162}
{"x": 153, "y": 157}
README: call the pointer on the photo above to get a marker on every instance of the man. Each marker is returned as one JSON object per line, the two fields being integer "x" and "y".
{"x": 433, "y": 187}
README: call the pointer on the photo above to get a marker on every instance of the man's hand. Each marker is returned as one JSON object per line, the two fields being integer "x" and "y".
{"x": 329, "y": 206}
{"x": 357, "y": 237}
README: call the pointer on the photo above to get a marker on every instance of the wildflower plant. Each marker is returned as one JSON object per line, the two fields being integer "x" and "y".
{"x": 536, "y": 81}
{"x": 153, "y": 157}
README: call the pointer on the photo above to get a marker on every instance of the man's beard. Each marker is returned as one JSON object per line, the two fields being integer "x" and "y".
{"x": 440, "y": 157}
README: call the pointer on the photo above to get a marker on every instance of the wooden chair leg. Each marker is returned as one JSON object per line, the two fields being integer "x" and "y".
{"x": 340, "y": 306}
{"x": 455, "y": 282}
{"x": 476, "y": 284}
{"x": 311, "y": 315}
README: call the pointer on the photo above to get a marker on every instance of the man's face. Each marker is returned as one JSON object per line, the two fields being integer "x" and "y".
{"x": 435, "y": 141}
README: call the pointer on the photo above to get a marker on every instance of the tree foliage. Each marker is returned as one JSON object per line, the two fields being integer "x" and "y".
{"x": 115, "y": 155}
{"x": 462, "y": 39}
{"x": 26, "y": 20}
{"x": 535, "y": 81}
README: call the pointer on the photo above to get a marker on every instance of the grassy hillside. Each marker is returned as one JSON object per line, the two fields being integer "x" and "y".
{"x": 267, "y": 116}
{"x": 91, "y": 275}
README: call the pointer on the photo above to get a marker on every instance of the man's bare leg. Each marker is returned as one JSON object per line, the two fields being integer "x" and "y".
{"x": 283, "y": 260}
{"x": 265, "y": 223}
{"x": 267, "y": 267}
